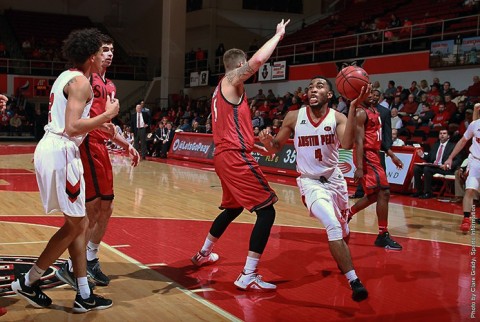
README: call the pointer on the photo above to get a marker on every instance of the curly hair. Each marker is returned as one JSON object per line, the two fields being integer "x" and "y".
{"x": 81, "y": 44}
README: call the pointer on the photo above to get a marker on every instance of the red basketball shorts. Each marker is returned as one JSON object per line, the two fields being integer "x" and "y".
{"x": 243, "y": 183}
{"x": 97, "y": 170}
{"x": 374, "y": 176}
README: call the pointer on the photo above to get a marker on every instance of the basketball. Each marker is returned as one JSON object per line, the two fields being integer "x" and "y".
{"x": 350, "y": 80}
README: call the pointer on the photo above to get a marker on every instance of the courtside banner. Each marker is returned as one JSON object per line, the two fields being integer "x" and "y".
{"x": 192, "y": 146}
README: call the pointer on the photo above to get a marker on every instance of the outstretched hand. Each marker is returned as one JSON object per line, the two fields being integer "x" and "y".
{"x": 364, "y": 93}
{"x": 281, "y": 28}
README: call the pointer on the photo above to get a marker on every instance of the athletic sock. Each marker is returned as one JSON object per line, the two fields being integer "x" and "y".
{"x": 250, "y": 265}
{"x": 83, "y": 288}
{"x": 207, "y": 247}
{"x": 466, "y": 214}
{"x": 382, "y": 228}
{"x": 33, "y": 275}
{"x": 351, "y": 275}
{"x": 92, "y": 250}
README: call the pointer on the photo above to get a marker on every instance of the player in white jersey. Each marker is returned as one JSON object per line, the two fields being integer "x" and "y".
{"x": 319, "y": 132}
{"x": 472, "y": 184}
{"x": 59, "y": 168}
{"x": 3, "y": 104}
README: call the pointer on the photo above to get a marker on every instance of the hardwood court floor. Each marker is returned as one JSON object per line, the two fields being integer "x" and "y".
{"x": 162, "y": 213}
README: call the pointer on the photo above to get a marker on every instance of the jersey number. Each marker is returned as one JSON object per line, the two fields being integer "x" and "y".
{"x": 318, "y": 154}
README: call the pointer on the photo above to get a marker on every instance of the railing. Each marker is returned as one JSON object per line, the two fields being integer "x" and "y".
{"x": 379, "y": 42}
{"x": 54, "y": 68}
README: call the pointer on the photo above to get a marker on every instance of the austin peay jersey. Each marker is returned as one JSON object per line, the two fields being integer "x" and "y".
{"x": 316, "y": 144}
{"x": 101, "y": 88}
{"x": 373, "y": 130}
{"x": 57, "y": 106}
{"x": 473, "y": 132}
{"x": 231, "y": 124}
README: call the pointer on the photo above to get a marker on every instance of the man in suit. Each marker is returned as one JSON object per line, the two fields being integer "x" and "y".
{"x": 387, "y": 141}
{"x": 167, "y": 141}
{"x": 141, "y": 124}
{"x": 439, "y": 153}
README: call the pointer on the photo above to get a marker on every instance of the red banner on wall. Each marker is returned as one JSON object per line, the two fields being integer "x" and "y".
{"x": 31, "y": 86}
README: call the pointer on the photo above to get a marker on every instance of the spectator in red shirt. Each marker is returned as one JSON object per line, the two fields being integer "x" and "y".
{"x": 440, "y": 120}
{"x": 410, "y": 106}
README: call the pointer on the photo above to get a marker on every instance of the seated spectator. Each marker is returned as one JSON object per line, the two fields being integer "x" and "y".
{"x": 167, "y": 141}
{"x": 270, "y": 96}
{"x": 276, "y": 124}
{"x": 435, "y": 160}
{"x": 274, "y": 112}
{"x": 447, "y": 89}
{"x": 256, "y": 130}
{"x": 424, "y": 118}
{"x": 450, "y": 106}
{"x": 295, "y": 106}
{"x": 15, "y": 124}
{"x": 127, "y": 134}
{"x": 208, "y": 128}
{"x": 376, "y": 86}
{"x": 260, "y": 97}
{"x": 406, "y": 28}
{"x": 423, "y": 101}
{"x": 186, "y": 126}
{"x": 435, "y": 105}
{"x": 158, "y": 137}
{"x": 257, "y": 120}
{"x": 410, "y": 107}
{"x": 390, "y": 91}
{"x": 440, "y": 120}
{"x": 396, "y": 141}
{"x": 397, "y": 103}
{"x": 473, "y": 91}
{"x": 396, "y": 120}
{"x": 264, "y": 109}
{"x": 423, "y": 88}
{"x": 432, "y": 95}
{"x": 341, "y": 105}
{"x": 413, "y": 89}
{"x": 394, "y": 21}
{"x": 459, "y": 115}
{"x": 196, "y": 128}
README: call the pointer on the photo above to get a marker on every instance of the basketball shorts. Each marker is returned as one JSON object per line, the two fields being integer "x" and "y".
{"x": 59, "y": 174}
{"x": 473, "y": 179}
{"x": 374, "y": 176}
{"x": 243, "y": 183}
{"x": 98, "y": 172}
{"x": 334, "y": 190}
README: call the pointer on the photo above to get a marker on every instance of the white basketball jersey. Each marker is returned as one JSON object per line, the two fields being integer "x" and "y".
{"x": 58, "y": 104}
{"x": 316, "y": 145}
{"x": 473, "y": 132}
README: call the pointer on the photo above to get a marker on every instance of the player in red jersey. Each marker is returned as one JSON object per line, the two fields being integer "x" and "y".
{"x": 243, "y": 183}
{"x": 3, "y": 104}
{"x": 368, "y": 139}
{"x": 98, "y": 173}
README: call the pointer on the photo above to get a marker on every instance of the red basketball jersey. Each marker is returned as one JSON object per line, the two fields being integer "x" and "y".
{"x": 101, "y": 88}
{"x": 231, "y": 124}
{"x": 373, "y": 130}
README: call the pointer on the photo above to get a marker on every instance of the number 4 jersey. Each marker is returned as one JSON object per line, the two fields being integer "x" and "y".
{"x": 316, "y": 144}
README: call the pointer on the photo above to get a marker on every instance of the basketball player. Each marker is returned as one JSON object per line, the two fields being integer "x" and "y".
{"x": 472, "y": 183}
{"x": 319, "y": 132}
{"x": 369, "y": 170}
{"x": 98, "y": 173}
{"x": 243, "y": 183}
{"x": 59, "y": 169}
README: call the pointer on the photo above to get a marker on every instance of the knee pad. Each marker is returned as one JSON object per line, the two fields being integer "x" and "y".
{"x": 222, "y": 221}
{"x": 324, "y": 211}
{"x": 261, "y": 230}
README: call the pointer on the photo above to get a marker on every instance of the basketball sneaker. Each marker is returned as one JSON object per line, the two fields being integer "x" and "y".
{"x": 94, "y": 302}
{"x": 64, "y": 275}
{"x": 199, "y": 259}
{"x": 384, "y": 240}
{"x": 359, "y": 292}
{"x": 253, "y": 282}
{"x": 33, "y": 294}
{"x": 465, "y": 226}
{"x": 96, "y": 274}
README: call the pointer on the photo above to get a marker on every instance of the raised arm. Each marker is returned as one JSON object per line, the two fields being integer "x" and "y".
{"x": 245, "y": 71}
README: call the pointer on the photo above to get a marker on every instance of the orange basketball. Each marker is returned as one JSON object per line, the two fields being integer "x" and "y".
{"x": 350, "y": 80}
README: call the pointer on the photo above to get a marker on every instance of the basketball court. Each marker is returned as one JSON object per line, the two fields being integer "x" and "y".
{"x": 163, "y": 211}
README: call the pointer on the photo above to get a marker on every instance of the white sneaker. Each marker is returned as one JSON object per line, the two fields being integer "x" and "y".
{"x": 199, "y": 259}
{"x": 253, "y": 282}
